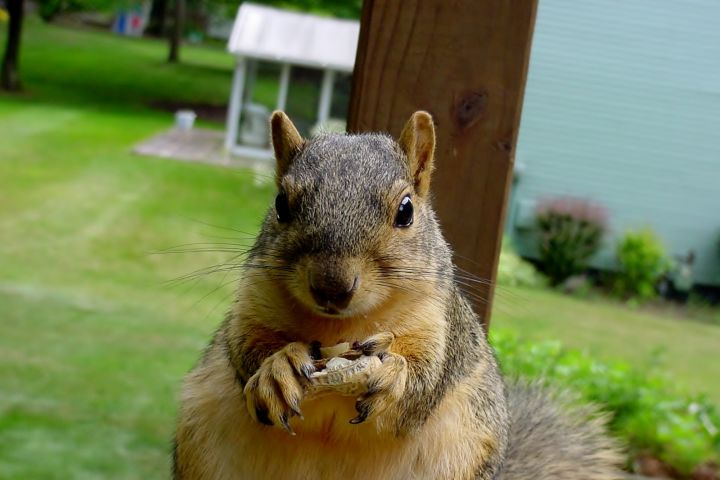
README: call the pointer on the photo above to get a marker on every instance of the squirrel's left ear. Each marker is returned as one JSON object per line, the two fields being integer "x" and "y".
{"x": 417, "y": 141}
{"x": 286, "y": 141}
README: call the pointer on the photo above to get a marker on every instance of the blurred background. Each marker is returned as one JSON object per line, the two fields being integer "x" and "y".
{"x": 135, "y": 168}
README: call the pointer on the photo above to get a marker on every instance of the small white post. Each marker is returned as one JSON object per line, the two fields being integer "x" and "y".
{"x": 235, "y": 106}
{"x": 283, "y": 87}
{"x": 326, "y": 92}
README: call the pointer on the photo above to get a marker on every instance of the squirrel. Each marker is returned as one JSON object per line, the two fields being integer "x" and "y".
{"x": 352, "y": 250}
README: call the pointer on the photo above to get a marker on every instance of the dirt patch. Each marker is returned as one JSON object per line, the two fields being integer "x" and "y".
{"x": 650, "y": 466}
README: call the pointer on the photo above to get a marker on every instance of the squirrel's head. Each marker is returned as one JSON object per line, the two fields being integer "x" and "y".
{"x": 352, "y": 227}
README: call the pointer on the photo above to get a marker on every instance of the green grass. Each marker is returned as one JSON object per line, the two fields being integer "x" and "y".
{"x": 102, "y": 71}
{"x": 93, "y": 341}
{"x": 610, "y": 330}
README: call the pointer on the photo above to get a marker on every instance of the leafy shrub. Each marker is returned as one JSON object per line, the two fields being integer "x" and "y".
{"x": 570, "y": 231}
{"x": 648, "y": 411}
{"x": 47, "y": 9}
{"x": 642, "y": 261}
{"x": 514, "y": 271}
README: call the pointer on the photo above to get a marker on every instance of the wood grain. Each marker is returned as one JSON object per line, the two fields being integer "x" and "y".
{"x": 465, "y": 62}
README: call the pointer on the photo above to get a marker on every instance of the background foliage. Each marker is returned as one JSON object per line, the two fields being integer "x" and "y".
{"x": 569, "y": 233}
{"x": 642, "y": 260}
{"x": 647, "y": 410}
{"x": 100, "y": 317}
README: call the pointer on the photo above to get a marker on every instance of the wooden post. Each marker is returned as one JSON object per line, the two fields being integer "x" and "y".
{"x": 465, "y": 62}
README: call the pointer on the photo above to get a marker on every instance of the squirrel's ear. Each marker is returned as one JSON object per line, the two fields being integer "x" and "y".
{"x": 286, "y": 141}
{"x": 417, "y": 141}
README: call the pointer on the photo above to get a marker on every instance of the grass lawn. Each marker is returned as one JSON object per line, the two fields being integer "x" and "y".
{"x": 103, "y": 71}
{"x": 93, "y": 341}
{"x": 687, "y": 348}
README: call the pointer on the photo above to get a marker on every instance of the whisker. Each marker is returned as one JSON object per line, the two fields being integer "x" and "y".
{"x": 221, "y": 285}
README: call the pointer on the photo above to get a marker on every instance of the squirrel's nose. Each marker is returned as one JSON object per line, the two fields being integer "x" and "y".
{"x": 332, "y": 293}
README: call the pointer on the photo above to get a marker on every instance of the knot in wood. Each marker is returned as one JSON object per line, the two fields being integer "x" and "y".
{"x": 504, "y": 146}
{"x": 469, "y": 109}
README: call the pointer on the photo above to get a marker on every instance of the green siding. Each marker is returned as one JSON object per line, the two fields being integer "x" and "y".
{"x": 623, "y": 107}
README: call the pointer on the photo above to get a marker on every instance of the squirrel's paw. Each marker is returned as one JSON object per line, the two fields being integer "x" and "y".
{"x": 274, "y": 393}
{"x": 377, "y": 344}
{"x": 385, "y": 387}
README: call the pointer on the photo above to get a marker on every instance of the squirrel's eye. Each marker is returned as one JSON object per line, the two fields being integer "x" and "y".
{"x": 404, "y": 216}
{"x": 282, "y": 208}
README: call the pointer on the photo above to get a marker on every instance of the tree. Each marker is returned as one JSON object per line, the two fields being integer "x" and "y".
{"x": 9, "y": 75}
{"x": 344, "y": 9}
{"x": 177, "y": 31}
{"x": 158, "y": 18}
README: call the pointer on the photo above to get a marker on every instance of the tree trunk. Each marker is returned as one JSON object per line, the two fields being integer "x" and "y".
{"x": 9, "y": 76}
{"x": 158, "y": 18}
{"x": 176, "y": 34}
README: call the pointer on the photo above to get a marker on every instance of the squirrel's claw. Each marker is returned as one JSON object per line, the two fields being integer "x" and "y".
{"x": 376, "y": 344}
{"x": 386, "y": 387}
{"x": 286, "y": 425}
{"x": 273, "y": 394}
{"x": 363, "y": 408}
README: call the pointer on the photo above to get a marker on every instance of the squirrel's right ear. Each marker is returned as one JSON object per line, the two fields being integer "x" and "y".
{"x": 286, "y": 141}
{"x": 417, "y": 141}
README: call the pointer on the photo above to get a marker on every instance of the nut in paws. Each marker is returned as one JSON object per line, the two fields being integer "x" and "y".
{"x": 386, "y": 387}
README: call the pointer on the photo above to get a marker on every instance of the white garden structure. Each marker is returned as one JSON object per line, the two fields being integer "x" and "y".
{"x": 289, "y": 39}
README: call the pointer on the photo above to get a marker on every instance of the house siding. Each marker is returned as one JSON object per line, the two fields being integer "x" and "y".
{"x": 622, "y": 106}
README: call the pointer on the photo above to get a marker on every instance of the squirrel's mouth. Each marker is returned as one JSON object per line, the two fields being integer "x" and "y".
{"x": 358, "y": 308}
{"x": 329, "y": 310}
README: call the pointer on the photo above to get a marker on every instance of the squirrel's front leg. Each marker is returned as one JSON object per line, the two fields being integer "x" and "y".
{"x": 274, "y": 374}
{"x": 274, "y": 393}
{"x": 386, "y": 386}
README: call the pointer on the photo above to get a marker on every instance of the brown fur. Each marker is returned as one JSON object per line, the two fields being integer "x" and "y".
{"x": 551, "y": 436}
{"x": 436, "y": 409}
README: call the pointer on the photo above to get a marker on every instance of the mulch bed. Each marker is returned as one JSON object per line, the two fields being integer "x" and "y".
{"x": 649, "y": 466}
